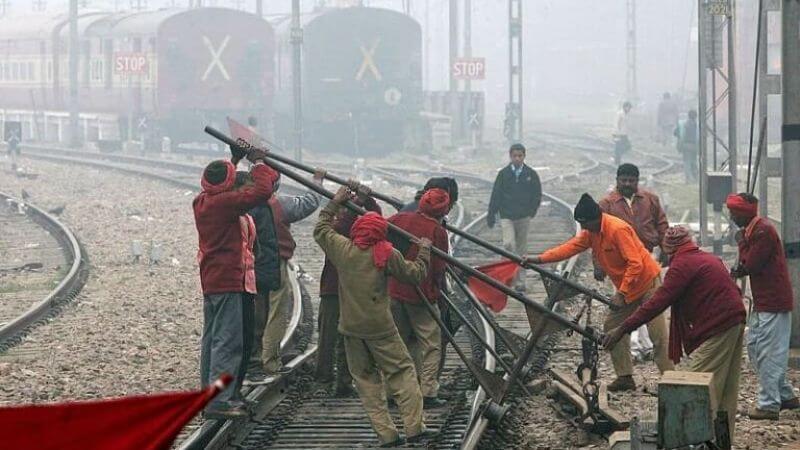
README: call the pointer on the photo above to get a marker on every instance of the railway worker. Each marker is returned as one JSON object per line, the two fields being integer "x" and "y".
{"x": 418, "y": 328}
{"x": 707, "y": 318}
{"x": 516, "y": 196}
{"x": 273, "y": 220}
{"x": 666, "y": 117}
{"x": 622, "y": 142}
{"x": 372, "y": 343}
{"x": 221, "y": 221}
{"x": 642, "y": 210}
{"x": 451, "y": 186}
{"x": 762, "y": 258}
{"x": 330, "y": 344}
{"x": 286, "y": 210}
{"x": 632, "y": 270}
{"x": 687, "y": 144}
{"x": 448, "y": 184}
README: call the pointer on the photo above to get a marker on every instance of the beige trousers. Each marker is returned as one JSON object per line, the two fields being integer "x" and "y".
{"x": 515, "y": 240}
{"x": 279, "y": 301}
{"x": 367, "y": 359}
{"x": 659, "y": 334}
{"x": 422, "y": 337}
{"x": 722, "y": 356}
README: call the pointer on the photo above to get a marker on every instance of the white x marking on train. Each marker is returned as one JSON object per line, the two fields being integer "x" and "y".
{"x": 369, "y": 62}
{"x": 216, "y": 58}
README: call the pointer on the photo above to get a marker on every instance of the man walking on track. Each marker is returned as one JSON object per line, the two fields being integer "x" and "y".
{"x": 375, "y": 351}
{"x": 516, "y": 196}
{"x": 635, "y": 274}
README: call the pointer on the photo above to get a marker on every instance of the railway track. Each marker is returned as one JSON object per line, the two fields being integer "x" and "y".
{"x": 43, "y": 268}
{"x": 288, "y": 412}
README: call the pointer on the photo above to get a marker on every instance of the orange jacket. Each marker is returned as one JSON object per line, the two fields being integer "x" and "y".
{"x": 618, "y": 251}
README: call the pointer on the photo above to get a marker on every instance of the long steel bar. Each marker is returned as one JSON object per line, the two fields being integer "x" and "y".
{"x": 468, "y": 236}
{"x": 536, "y": 306}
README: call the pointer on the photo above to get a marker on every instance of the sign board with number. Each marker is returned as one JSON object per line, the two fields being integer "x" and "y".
{"x": 469, "y": 69}
{"x": 719, "y": 7}
{"x": 131, "y": 63}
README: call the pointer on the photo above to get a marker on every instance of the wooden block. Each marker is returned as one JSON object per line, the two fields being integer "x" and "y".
{"x": 572, "y": 397}
{"x": 685, "y": 409}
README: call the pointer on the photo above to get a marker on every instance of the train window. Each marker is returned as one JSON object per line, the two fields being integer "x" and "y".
{"x": 23, "y": 71}
{"x": 97, "y": 70}
{"x": 2, "y": 66}
{"x": 32, "y": 72}
{"x": 14, "y": 71}
{"x": 49, "y": 70}
{"x": 108, "y": 52}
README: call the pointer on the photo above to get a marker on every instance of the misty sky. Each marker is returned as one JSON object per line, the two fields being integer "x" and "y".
{"x": 574, "y": 49}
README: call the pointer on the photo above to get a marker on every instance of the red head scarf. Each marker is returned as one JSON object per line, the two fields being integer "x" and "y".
{"x": 230, "y": 178}
{"x": 675, "y": 237}
{"x": 741, "y": 207}
{"x": 369, "y": 230}
{"x": 435, "y": 203}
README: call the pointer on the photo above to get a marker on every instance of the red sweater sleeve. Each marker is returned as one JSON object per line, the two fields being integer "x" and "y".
{"x": 671, "y": 291}
{"x": 237, "y": 202}
{"x": 760, "y": 248}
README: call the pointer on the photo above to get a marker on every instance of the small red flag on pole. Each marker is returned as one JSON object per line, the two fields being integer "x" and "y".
{"x": 504, "y": 272}
{"x": 150, "y": 422}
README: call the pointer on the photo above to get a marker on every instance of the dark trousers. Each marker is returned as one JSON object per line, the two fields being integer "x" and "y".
{"x": 260, "y": 315}
{"x": 330, "y": 349}
{"x": 225, "y": 344}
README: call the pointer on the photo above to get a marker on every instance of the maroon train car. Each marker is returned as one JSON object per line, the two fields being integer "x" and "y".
{"x": 142, "y": 75}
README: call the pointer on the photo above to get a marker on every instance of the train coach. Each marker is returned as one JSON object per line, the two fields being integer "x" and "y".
{"x": 361, "y": 78}
{"x": 142, "y": 75}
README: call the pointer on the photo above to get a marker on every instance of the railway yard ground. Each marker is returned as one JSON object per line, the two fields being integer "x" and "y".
{"x": 135, "y": 327}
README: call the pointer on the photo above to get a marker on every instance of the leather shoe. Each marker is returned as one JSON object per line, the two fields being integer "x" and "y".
{"x": 623, "y": 383}
{"x": 433, "y": 402}
{"x": 763, "y": 414}
{"x": 792, "y": 403}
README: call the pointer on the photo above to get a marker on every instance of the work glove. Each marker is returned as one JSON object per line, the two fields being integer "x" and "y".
{"x": 599, "y": 274}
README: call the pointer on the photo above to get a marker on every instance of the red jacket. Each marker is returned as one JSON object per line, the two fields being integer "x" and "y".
{"x": 761, "y": 255}
{"x": 329, "y": 279}
{"x": 705, "y": 301}
{"x": 420, "y": 225}
{"x": 216, "y": 217}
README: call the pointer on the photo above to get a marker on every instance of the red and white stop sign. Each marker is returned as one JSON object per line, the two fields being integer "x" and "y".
{"x": 130, "y": 63}
{"x": 469, "y": 69}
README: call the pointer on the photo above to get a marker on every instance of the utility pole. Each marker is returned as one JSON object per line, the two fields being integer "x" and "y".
{"x": 74, "y": 138}
{"x": 455, "y": 116}
{"x": 260, "y": 8}
{"x": 297, "y": 93}
{"x": 768, "y": 84}
{"x": 512, "y": 128}
{"x": 467, "y": 41}
{"x": 715, "y": 71}
{"x": 39, "y": 5}
{"x": 790, "y": 153}
{"x": 630, "y": 47}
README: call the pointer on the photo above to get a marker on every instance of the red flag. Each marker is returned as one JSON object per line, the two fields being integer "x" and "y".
{"x": 239, "y": 131}
{"x": 128, "y": 423}
{"x": 504, "y": 272}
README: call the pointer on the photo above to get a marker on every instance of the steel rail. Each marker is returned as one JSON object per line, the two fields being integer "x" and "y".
{"x": 69, "y": 286}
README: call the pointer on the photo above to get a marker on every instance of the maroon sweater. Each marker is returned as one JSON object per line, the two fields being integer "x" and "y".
{"x": 329, "y": 279}
{"x": 216, "y": 217}
{"x": 761, "y": 255}
{"x": 705, "y": 301}
{"x": 421, "y": 225}
{"x": 286, "y": 243}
